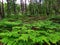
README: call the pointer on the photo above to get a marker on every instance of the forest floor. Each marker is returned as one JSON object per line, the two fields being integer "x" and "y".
{"x": 40, "y": 30}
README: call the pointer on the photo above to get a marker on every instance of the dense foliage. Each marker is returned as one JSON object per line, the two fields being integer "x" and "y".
{"x": 20, "y": 33}
{"x": 34, "y": 24}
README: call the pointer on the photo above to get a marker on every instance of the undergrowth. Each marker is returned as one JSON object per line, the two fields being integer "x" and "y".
{"x": 20, "y": 33}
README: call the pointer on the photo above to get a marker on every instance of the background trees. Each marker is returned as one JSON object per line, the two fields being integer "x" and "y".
{"x": 35, "y": 7}
{"x": 11, "y": 6}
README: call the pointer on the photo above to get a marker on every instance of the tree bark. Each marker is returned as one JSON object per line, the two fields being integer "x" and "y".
{"x": 22, "y": 5}
{"x": 14, "y": 6}
{"x": 0, "y": 11}
{"x": 3, "y": 14}
{"x": 8, "y": 7}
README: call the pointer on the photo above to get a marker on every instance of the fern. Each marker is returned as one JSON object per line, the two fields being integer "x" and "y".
{"x": 23, "y": 34}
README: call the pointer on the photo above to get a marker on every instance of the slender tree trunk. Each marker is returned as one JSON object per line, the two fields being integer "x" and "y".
{"x": 8, "y": 7}
{"x": 3, "y": 15}
{"x": 39, "y": 7}
{"x": 14, "y": 6}
{"x": 25, "y": 6}
{"x": 22, "y": 5}
{"x": 0, "y": 11}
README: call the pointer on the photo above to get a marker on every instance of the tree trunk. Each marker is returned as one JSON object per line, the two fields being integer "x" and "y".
{"x": 25, "y": 6}
{"x": 8, "y": 7}
{"x": 3, "y": 15}
{"x": 0, "y": 11}
{"x": 14, "y": 7}
{"x": 22, "y": 6}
